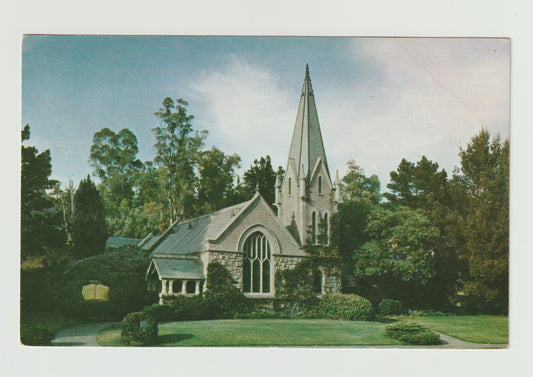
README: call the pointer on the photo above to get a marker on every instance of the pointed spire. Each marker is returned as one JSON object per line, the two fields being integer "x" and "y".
{"x": 257, "y": 187}
{"x": 337, "y": 188}
{"x": 307, "y": 145}
{"x": 278, "y": 182}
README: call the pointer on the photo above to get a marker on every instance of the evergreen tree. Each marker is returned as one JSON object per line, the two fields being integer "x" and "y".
{"x": 217, "y": 174}
{"x": 42, "y": 230}
{"x": 263, "y": 175}
{"x": 484, "y": 175}
{"x": 88, "y": 230}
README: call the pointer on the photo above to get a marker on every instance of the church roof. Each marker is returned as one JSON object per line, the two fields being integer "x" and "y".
{"x": 307, "y": 145}
{"x": 191, "y": 236}
{"x": 120, "y": 242}
{"x": 179, "y": 268}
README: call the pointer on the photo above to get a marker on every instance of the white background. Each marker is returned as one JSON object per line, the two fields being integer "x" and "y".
{"x": 451, "y": 18}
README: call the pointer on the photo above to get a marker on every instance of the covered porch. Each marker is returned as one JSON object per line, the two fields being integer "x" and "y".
{"x": 175, "y": 276}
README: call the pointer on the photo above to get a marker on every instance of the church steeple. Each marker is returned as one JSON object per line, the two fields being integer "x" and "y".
{"x": 306, "y": 194}
{"x": 307, "y": 145}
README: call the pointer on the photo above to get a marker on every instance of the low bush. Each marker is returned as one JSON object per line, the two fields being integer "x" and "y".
{"x": 139, "y": 329}
{"x": 389, "y": 306}
{"x": 36, "y": 336}
{"x": 161, "y": 313}
{"x": 346, "y": 307}
{"x": 428, "y": 313}
{"x": 260, "y": 315}
{"x": 412, "y": 333}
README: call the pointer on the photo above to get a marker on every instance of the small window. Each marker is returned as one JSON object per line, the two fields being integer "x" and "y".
{"x": 320, "y": 184}
{"x": 326, "y": 229}
{"x": 313, "y": 228}
{"x": 290, "y": 188}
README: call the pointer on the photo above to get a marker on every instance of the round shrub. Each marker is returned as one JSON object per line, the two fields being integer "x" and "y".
{"x": 139, "y": 329}
{"x": 412, "y": 333}
{"x": 389, "y": 306}
{"x": 36, "y": 336}
{"x": 346, "y": 307}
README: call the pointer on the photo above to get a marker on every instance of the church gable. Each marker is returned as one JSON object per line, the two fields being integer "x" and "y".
{"x": 258, "y": 215}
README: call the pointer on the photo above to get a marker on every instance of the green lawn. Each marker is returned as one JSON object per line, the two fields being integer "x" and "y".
{"x": 486, "y": 329}
{"x": 263, "y": 332}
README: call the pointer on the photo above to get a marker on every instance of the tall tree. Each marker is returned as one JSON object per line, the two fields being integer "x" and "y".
{"x": 178, "y": 148}
{"x": 263, "y": 175}
{"x": 42, "y": 228}
{"x": 424, "y": 187}
{"x": 217, "y": 174}
{"x": 349, "y": 226}
{"x": 89, "y": 233}
{"x": 484, "y": 173}
{"x": 114, "y": 160}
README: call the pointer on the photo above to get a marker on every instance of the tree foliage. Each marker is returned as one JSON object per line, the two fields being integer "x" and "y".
{"x": 262, "y": 175}
{"x": 484, "y": 173}
{"x": 217, "y": 174}
{"x": 88, "y": 230}
{"x": 42, "y": 228}
{"x": 178, "y": 150}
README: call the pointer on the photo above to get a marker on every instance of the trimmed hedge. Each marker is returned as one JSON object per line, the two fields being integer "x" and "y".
{"x": 412, "y": 333}
{"x": 389, "y": 306}
{"x": 36, "y": 336}
{"x": 139, "y": 329}
{"x": 346, "y": 307}
{"x": 122, "y": 271}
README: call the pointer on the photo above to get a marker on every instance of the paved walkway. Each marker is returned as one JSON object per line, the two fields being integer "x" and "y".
{"x": 81, "y": 335}
{"x": 85, "y": 336}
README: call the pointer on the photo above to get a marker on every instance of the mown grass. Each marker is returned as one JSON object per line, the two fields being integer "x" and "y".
{"x": 263, "y": 332}
{"x": 487, "y": 329}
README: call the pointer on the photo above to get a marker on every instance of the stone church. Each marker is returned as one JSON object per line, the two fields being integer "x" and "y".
{"x": 249, "y": 238}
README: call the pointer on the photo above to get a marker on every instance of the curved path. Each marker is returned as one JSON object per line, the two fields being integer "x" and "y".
{"x": 85, "y": 336}
{"x": 81, "y": 335}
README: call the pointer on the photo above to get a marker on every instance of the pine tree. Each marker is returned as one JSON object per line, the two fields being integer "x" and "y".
{"x": 88, "y": 231}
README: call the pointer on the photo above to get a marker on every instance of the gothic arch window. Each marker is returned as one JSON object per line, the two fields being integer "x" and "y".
{"x": 256, "y": 264}
{"x": 290, "y": 188}
{"x": 326, "y": 228}
{"x": 313, "y": 228}
{"x": 320, "y": 184}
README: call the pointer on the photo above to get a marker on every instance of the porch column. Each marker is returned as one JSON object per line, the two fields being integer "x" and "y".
{"x": 163, "y": 286}
{"x": 197, "y": 288}
{"x": 170, "y": 286}
{"x": 184, "y": 286}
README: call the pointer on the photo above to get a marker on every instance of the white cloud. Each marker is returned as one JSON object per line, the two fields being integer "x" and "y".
{"x": 425, "y": 97}
{"x": 433, "y": 96}
{"x": 245, "y": 110}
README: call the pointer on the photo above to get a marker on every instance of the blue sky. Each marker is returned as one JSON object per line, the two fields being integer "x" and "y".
{"x": 379, "y": 100}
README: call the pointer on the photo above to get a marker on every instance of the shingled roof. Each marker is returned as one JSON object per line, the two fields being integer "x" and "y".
{"x": 178, "y": 268}
{"x": 191, "y": 236}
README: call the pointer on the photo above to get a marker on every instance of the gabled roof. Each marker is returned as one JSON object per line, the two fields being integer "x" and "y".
{"x": 190, "y": 236}
{"x": 178, "y": 268}
{"x": 119, "y": 242}
{"x": 307, "y": 145}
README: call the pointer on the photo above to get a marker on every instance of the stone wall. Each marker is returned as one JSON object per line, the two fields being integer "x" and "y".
{"x": 231, "y": 260}
{"x": 284, "y": 263}
{"x": 332, "y": 281}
